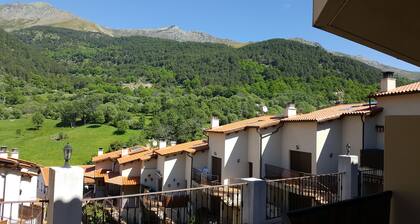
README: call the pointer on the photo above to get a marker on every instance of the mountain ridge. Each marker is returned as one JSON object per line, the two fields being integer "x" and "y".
{"x": 16, "y": 16}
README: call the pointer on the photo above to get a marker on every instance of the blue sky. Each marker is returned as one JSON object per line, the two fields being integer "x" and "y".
{"x": 242, "y": 20}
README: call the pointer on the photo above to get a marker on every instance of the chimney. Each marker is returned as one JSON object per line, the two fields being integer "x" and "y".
{"x": 162, "y": 144}
{"x": 124, "y": 151}
{"x": 154, "y": 143}
{"x": 215, "y": 122}
{"x": 173, "y": 143}
{"x": 290, "y": 110}
{"x": 100, "y": 151}
{"x": 14, "y": 154}
{"x": 3, "y": 152}
{"x": 388, "y": 82}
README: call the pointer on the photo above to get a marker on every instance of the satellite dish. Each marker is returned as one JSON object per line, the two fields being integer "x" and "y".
{"x": 265, "y": 109}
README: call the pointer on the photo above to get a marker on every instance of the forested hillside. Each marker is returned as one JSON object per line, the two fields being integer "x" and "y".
{"x": 167, "y": 89}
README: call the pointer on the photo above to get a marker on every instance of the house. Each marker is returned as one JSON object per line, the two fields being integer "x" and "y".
{"x": 389, "y": 27}
{"x": 18, "y": 182}
{"x": 175, "y": 163}
{"x": 307, "y": 143}
{"x": 110, "y": 177}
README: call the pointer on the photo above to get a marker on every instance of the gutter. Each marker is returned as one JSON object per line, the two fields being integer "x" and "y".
{"x": 261, "y": 138}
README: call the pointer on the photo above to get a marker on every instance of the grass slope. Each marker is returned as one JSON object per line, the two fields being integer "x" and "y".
{"x": 41, "y": 147}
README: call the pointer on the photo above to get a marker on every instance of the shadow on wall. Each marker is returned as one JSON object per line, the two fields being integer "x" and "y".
{"x": 66, "y": 212}
{"x": 331, "y": 148}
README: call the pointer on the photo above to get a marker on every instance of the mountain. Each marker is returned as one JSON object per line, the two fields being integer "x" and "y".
{"x": 19, "y": 16}
{"x": 415, "y": 76}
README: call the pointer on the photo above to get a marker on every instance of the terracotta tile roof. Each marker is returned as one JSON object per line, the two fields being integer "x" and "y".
{"x": 18, "y": 163}
{"x": 335, "y": 112}
{"x": 189, "y": 147}
{"x": 256, "y": 122}
{"x": 141, "y": 155}
{"x": 116, "y": 154}
{"x": 109, "y": 155}
{"x": 407, "y": 89}
{"x": 115, "y": 178}
{"x": 97, "y": 173}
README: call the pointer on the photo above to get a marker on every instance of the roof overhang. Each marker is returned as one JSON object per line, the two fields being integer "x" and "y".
{"x": 392, "y": 27}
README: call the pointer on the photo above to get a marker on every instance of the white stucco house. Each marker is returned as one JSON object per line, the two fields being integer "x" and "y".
{"x": 18, "y": 182}
{"x": 268, "y": 146}
{"x": 176, "y": 163}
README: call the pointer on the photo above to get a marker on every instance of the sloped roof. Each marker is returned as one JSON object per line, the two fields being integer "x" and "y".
{"x": 189, "y": 147}
{"x": 141, "y": 155}
{"x": 109, "y": 155}
{"x": 97, "y": 173}
{"x": 256, "y": 122}
{"x": 115, "y": 178}
{"x": 335, "y": 112}
{"x": 407, "y": 89}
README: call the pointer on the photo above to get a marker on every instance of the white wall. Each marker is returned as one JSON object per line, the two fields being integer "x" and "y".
{"x": 271, "y": 147}
{"x": 329, "y": 146}
{"x": 132, "y": 169}
{"x": 188, "y": 170}
{"x": 254, "y": 151}
{"x": 148, "y": 174}
{"x": 173, "y": 171}
{"x": 408, "y": 104}
{"x": 201, "y": 159}
{"x": 216, "y": 148}
{"x": 235, "y": 160}
{"x": 298, "y": 133}
{"x": 28, "y": 187}
{"x": 352, "y": 129}
{"x": 370, "y": 132}
{"x": 12, "y": 193}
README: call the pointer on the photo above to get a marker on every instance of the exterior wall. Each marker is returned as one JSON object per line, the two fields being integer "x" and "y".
{"x": 235, "y": 159}
{"x": 173, "y": 172}
{"x": 106, "y": 164}
{"x": 12, "y": 193}
{"x": 397, "y": 105}
{"x": 216, "y": 148}
{"x": 201, "y": 160}
{"x": 42, "y": 190}
{"x": 352, "y": 130}
{"x": 188, "y": 170}
{"x": 132, "y": 169}
{"x": 328, "y": 146}
{"x": 254, "y": 151}
{"x": 28, "y": 187}
{"x": 370, "y": 132}
{"x": 302, "y": 134}
{"x": 271, "y": 148}
{"x": 148, "y": 176}
{"x": 401, "y": 167}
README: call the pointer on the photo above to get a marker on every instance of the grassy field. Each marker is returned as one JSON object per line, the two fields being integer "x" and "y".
{"x": 41, "y": 146}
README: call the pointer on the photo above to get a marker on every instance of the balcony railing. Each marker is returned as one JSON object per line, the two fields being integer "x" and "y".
{"x": 204, "y": 178}
{"x": 23, "y": 212}
{"x": 284, "y": 195}
{"x": 212, "y": 204}
{"x": 371, "y": 181}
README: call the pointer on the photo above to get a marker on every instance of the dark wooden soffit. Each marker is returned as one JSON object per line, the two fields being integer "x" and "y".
{"x": 389, "y": 26}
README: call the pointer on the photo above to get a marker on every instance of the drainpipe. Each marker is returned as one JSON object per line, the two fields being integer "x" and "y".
{"x": 191, "y": 168}
{"x": 261, "y": 138}
{"x": 363, "y": 118}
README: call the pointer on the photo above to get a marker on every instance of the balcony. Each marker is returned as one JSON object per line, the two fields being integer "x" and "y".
{"x": 204, "y": 178}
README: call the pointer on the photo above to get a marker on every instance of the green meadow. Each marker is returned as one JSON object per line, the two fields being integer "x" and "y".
{"x": 41, "y": 146}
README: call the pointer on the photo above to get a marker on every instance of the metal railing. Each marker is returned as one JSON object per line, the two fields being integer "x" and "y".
{"x": 23, "y": 212}
{"x": 284, "y": 195}
{"x": 204, "y": 178}
{"x": 212, "y": 204}
{"x": 371, "y": 181}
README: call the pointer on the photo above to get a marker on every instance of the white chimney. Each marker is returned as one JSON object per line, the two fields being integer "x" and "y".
{"x": 290, "y": 110}
{"x": 3, "y": 152}
{"x": 100, "y": 151}
{"x": 14, "y": 154}
{"x": 154, "y": 143}
{"x": 124, "y": 151}
{"x": 215, "y": 122}
{"x": 173, "y": 143}
{"x": 162, "y": 144}
{"x": 388, "y": 82}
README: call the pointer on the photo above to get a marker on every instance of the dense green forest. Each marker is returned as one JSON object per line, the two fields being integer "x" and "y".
{"x": 166, "y": 89}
